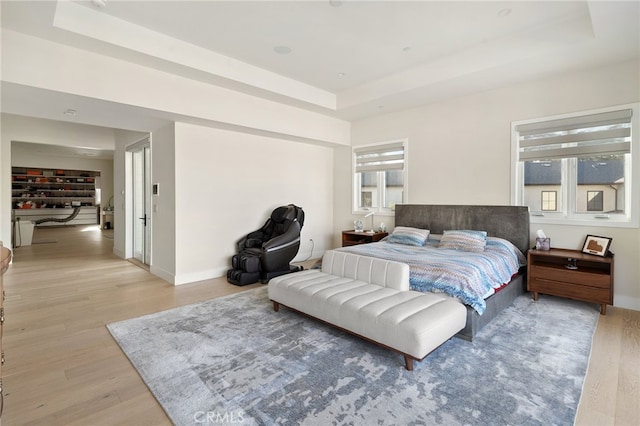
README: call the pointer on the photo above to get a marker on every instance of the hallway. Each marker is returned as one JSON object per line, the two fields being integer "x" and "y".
{"x": 62, "y": 365}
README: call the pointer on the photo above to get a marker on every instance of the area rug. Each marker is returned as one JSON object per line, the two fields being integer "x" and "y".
{"x": 235, "y": 360}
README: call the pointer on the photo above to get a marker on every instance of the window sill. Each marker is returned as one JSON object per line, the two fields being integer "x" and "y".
{"x": 365, "y": 212}
{"x": 604, "y": 223}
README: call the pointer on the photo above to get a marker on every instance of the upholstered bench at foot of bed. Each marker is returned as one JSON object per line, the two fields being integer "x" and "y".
{"x": 370, "y": 298}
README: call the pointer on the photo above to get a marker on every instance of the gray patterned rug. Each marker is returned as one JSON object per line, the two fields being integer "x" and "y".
{"x": 235, "y": 360}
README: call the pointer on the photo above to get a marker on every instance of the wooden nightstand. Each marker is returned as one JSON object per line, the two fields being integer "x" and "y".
{"x": 353, "y": 238}
{"x": 590, "y": 281}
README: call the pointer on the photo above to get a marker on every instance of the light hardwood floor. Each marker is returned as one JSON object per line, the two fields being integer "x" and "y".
{"x": 63, "y": 368}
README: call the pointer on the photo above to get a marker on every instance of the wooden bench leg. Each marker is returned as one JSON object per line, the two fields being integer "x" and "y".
{"x": 276, "y": 306}
{"x": 408, "y": 362}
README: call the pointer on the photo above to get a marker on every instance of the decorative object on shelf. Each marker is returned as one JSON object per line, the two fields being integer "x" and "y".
{"x": 358, "y": 226}
{"x": 573, "y": 264}
{"x": 542, "y": 241}
{"x": 598, "y": 246}
{"x": 382, "y": 227}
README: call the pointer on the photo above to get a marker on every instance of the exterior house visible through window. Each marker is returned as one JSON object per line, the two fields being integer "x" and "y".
{"x": 578, "y": 167}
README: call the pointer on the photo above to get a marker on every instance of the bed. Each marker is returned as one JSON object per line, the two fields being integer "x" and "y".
{"x": 510, "y": 223}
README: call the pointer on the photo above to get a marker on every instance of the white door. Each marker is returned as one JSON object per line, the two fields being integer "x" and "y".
{"x": 141, "y": 199}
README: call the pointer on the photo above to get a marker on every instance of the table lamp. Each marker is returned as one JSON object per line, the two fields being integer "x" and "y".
{"x": 366, "y": 216}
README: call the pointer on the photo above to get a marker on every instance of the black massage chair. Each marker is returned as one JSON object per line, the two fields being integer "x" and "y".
{"x": 266, "y": 252}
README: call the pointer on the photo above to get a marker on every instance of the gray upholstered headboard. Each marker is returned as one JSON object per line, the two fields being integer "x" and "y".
{"x": 508, "y": 222}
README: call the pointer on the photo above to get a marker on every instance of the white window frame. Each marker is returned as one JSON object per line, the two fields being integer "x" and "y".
{"x": 569, "y": 214}
{"x": 356, "y": 184}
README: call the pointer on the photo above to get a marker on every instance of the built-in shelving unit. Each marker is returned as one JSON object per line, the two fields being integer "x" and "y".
{"x": 53, "y": 193}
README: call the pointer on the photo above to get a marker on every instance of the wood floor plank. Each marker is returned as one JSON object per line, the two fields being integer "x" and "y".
{"x": 600, "y": 387}
{"x": 64, "y": 368}
{"x": 628, "y": 390}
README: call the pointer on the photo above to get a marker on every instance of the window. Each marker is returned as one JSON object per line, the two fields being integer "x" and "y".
{"x": 578, "y": 167}
{"x": 549, "y": 201}
{"x": 379, "y": 176}
{"x": 595, "y": 201}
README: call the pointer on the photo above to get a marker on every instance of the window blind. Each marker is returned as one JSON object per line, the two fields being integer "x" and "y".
{"x": 588, "y": 135}
{"x": 380, "y": 158}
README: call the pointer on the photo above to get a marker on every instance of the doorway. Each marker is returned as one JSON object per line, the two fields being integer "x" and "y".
{"x": 139, "y": 165}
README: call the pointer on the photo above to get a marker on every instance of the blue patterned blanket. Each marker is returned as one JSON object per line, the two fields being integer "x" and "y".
{"x": 469, "y": 276}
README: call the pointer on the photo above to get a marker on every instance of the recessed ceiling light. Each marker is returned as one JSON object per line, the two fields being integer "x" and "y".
{"x": 282, "y": 50}
{"x": 380, "y": 106}
{"x": 99, "y": 3}
{"x": 406, "y": 48}
{"x": 335, "y": 3}
{"x": 341, "y": 74}
{"x": 504, "y": 12}
{"x": 71, "y": 112}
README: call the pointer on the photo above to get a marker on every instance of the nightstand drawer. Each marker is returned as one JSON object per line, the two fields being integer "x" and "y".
{"x": 572, "y": 291}
{"x": 578, "y": 277}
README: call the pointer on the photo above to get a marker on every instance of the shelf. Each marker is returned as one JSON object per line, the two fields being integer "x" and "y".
{"x": 580, "y": 268}
{"x": 567, "y": 253}
{"x": 38, "y": 188}
{"x": 352, "y": 238}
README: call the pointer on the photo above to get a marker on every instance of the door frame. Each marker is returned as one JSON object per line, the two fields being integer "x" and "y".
{"x": 129, "y": 201}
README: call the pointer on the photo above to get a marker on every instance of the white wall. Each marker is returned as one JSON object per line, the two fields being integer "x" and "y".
{"x": 227, "y": 184}
{"x": 460, "y": 153}
{"x": 163, "y": 215}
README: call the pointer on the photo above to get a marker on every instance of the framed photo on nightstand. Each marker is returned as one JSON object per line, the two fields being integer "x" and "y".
{"x": 596, "y": 245}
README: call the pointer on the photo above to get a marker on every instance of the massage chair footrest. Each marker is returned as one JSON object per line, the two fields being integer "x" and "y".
{"x": 240, "y": 277}
{"x": 246, "y": 262}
